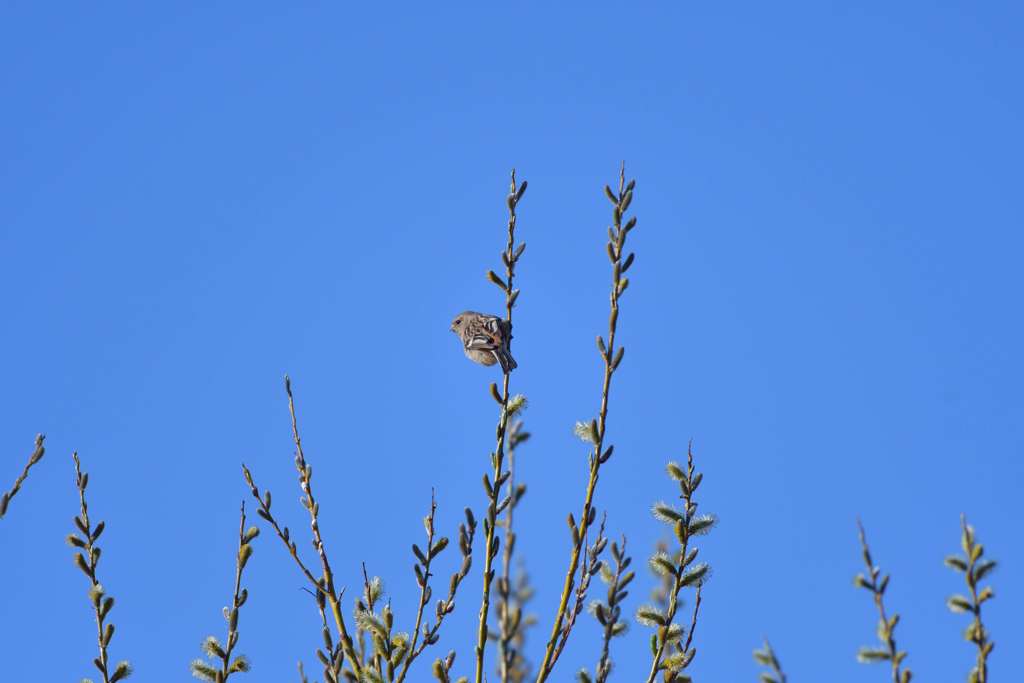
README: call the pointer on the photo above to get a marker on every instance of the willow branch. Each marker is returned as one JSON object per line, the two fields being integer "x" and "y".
{"x": 609, "y": 614}
{"x": 687, "y": 526}
{"x": 334, "y": 657}
{"x": 201, "y": 669}
{"x": 974, "y": 569}
{"x": 87, "y": 561}
{"x": 874, "y": 582}
{"x": 505, "y": 626}
{"x": 37, "y": 455}
{"x": 326, "y": 583}
{"x": 766, "y": 657}
{"x": 587, "y": 570}
{"x": 693, "y": 618}
{"x": 498, "y": 476}
{"x": 612, "y": 357}
{"x": 422, "y": 569}
{"x": 510, "y": 616}
{"x": 238, "y": 598}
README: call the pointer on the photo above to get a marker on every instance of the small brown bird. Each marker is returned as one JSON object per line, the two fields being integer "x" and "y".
{"x": 485, "y": 338}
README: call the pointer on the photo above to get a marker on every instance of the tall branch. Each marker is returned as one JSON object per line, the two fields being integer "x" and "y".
{"x": 494, "y": 482}
{"x": 595, "y": 431}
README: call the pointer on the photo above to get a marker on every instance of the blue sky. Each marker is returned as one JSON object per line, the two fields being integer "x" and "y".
{"x": 198, "y": 198}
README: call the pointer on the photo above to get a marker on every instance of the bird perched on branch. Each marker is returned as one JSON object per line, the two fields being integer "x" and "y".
{"x": 485, "y": 338}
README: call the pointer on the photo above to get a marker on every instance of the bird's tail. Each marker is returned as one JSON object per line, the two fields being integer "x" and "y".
{"x": 508, "y": 363}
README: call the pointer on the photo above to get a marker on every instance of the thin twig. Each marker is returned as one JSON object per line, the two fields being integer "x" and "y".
{"x": 213, "y": 648}
{"x": 608, "y": 615}
{"x": 686, "y": 527}
{"x": 305, "y": 477}
{"x": 979, "y": 635}
{"x": 245, "y": 537}
{"x": 467, "y": 532}
{"x": 87, "y": 560}
{"x": 877, "y": 584}
{"x": 37, "y": 455}
{"x": 282, "y": 533}
{"x": 239, "y": 598}
{"x": 370, "y": 595}
{"x": 766, "y": 657}
{"x": 425, "y": 592}
{"x": 974, "y": 569}
{"x": 693, "y": 618}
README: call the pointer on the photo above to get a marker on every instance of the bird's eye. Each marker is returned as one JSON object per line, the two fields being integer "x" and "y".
{"x": 459, "y": 321}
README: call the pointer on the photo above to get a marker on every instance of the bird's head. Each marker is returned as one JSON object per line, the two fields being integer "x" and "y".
{"x": 458, "y": 324}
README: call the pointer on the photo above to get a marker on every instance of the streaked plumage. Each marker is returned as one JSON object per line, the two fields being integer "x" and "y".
{"x": 485, "y": 338}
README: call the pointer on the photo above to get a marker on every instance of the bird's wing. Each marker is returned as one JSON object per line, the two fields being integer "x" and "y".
{"x": 486, "y": 335}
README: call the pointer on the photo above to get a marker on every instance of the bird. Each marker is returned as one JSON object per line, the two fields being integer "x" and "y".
{"x": 485, "y": 338}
